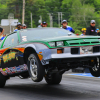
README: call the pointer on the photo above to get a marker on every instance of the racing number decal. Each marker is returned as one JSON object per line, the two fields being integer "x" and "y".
{"x": 24, "y": 38}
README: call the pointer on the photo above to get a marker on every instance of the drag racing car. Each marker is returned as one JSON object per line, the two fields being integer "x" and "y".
{"x": 47, "y": 53}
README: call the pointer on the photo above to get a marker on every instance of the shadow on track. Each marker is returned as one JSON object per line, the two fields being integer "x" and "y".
{"x": 43, "y": 91}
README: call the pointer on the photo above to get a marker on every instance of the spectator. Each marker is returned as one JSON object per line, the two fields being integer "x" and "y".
{"x": 66, "y": 27}
{"x": 18, "y": 27}
{"x": 1, "y": 30}
{"x": 44, "y": 24}
{"x": 3, "y": 36}
{"x": 98, "y": 31}
{"x": 91, "y": 30}
{"x": 24, "y": 26}
{"x": 83, "y": 31}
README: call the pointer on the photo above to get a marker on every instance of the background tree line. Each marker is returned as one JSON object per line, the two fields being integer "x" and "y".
{"x": 77, "y": 12}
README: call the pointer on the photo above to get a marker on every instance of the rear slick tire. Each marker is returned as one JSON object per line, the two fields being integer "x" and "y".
{"x": 2, "y": 80}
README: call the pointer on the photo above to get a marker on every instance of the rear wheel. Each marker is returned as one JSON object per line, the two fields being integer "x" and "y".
{"x": 95, "y": 70}
{"x": 53, "y": 78}
{"x": 2, "y": 81}
{"x": 35, "y": 68}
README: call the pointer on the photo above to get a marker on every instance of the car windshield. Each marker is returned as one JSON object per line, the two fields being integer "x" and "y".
{"x": 43, "y": 33}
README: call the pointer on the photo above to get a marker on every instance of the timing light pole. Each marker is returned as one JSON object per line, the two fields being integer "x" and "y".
{"x": 23, "y": 13}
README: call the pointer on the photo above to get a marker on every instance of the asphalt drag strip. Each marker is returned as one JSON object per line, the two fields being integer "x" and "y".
{"x": 72, "y": 87}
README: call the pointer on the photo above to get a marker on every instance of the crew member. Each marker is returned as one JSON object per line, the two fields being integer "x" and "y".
{"x": 44, "y": 24}
{"x": 24, "y": 26}
{"x": 1, "y": 30}
{"x": 83, "y": 31}
{"x": 66, "y": 27}
{"x": 91, "y": 30}
{"x": 18, "y": 27}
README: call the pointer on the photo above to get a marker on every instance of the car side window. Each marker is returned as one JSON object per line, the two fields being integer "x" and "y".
{"x": 11, "y": 40}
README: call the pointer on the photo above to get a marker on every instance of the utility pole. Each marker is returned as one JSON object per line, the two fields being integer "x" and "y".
{"x": 41, "y": 18}
{"x": 61, "y": 16}
{"x": 31, "y": 21}
{"x": 51, "y": 19}
{"x": 23, "y": 13}
{"x": 58, "y": 19}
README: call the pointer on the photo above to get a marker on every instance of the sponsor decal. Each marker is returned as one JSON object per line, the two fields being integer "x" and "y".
{"x": 12, "y": 40}
{"x": 92, "y": 30}
{"x": 20, "y": 49}
{"x": 3, "y": 72}
{"x": 16, "y": 58}
{"x": 24, "y": 38}
{"x": 13, "y": 70}
{"x": 9, "y": 57}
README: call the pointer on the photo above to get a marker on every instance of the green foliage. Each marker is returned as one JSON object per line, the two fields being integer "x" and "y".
{"x": 78, "y": 32}
{"x": 77, "y": 12}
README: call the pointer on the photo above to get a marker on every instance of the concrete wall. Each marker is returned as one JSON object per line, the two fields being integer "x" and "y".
{"x": 7, "y": 29}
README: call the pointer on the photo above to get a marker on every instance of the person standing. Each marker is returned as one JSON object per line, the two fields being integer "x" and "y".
{"x": 18, "y": 27}
{"x": 3, "y": 37}
{"x": 24, "y": 26}
{"x": 91, "y": 30}
{"x": 98, "y": 31}
{"x": 2, "y": 31}
{"x": 44, "y": 24}
{"x": 66, "y": 27}
{"x": 83, "y": 31}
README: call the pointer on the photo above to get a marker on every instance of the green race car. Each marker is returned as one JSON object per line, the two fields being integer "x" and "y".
{"x": 48, "y": 53}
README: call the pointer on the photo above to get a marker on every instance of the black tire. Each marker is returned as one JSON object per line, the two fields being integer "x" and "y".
{"x": 36, "y": 70}
{"x": 2, "y": 81}
{"x": 53, "y": 79}
{"x": 95, "y": 71}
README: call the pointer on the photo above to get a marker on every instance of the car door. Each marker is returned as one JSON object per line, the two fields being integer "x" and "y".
{"x": 11, "y": 56}
{"x": 8, "y": 54}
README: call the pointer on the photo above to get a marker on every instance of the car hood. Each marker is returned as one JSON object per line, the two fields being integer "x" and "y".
{"x": 71, "y": 41}
{"x": 70, "y": 38}
{"x": 76, "y": 40}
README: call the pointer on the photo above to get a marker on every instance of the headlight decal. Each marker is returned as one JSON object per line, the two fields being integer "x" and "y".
{"x": 52, "y": 44}
{"x": 59, "y": 43}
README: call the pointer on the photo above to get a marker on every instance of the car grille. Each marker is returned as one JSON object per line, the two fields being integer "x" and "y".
{"x": 82, "y": 42}
{"x": 96, "y": 49}
{"x": 74, "y": 50}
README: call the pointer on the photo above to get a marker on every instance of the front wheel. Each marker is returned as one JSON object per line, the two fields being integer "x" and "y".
{"x": 53, "y": 78}
{"x": 35, "y": 68}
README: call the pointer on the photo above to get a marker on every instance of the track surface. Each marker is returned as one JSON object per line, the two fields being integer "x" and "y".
{"x": 71, "y": 88}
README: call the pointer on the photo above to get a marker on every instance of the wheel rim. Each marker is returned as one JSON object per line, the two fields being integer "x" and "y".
{"x": 33, "y": 68}
{"x": 95, "y": 68}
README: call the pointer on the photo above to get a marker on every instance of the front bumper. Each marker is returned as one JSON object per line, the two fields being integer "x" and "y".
{"x": 68, "y": 55}
{"x": 51, "y": 54}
